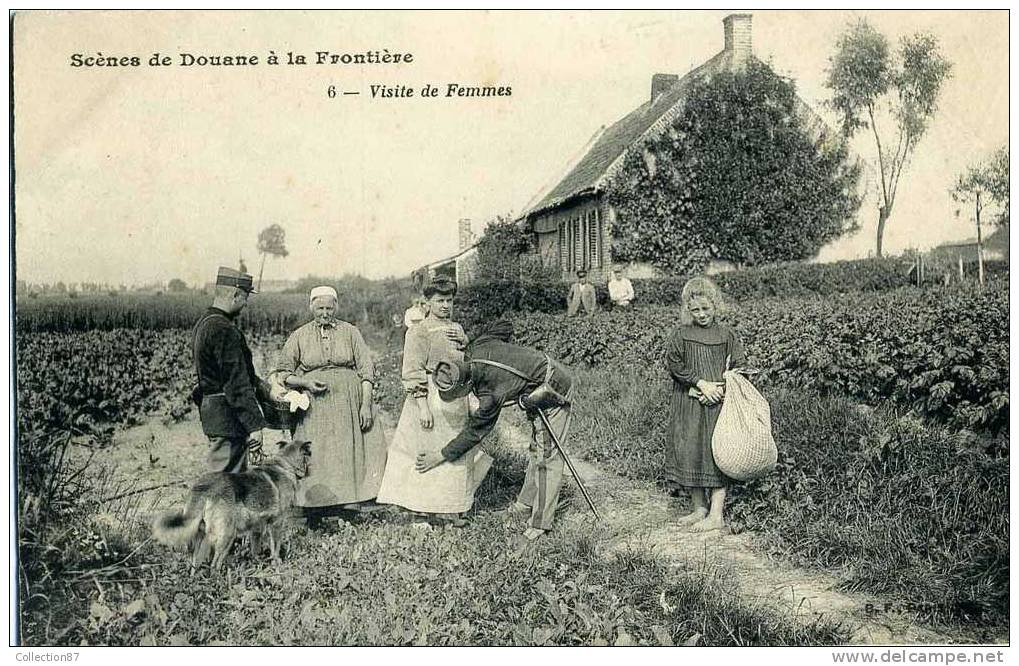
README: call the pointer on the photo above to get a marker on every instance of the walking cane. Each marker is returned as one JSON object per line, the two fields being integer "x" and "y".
{"x": 569, "y": 463}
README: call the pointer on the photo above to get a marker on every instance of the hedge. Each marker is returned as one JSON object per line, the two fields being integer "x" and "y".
{"x": 944, "y": 352}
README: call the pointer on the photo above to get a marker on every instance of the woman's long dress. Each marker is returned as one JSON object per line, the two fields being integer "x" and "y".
{"x": 346, "y": 463}
{"x": 695, "y": 353}
{"x": 449, "y": 487}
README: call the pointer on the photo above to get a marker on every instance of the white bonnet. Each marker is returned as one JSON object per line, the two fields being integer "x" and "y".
{"x": 319, "y": 292}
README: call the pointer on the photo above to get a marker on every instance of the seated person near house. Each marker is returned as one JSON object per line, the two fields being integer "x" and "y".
{"x": 620, "y": 289}
{"x": 582, "y": 294}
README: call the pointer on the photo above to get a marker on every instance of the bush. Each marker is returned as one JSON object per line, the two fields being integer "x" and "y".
{"x": 484, "y": 300}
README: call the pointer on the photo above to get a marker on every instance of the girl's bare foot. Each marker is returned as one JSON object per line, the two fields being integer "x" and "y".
{"x": 709, "y": 524}
{"x": 697, "y": 515}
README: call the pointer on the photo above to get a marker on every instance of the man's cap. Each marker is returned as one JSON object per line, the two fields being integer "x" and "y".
{"x": 230, "y": 277}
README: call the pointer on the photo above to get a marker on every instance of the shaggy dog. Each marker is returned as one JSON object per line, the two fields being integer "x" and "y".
{"x": 222, "y": 506}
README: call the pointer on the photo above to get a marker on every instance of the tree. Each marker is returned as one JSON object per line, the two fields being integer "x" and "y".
{"x": 982, "y": 185}
{"x": 997, "y": 182}
{"x": 499, "y": 250}
{"x": 271, "y": 241}
{"x": 176, "y": 285}
{"x": 739, "y": 175}
{"x": 870, "y": 84}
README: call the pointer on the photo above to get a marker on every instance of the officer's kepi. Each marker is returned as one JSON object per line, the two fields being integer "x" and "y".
{"x": 230, "y": 277}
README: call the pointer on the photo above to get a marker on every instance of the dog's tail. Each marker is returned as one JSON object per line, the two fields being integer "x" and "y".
{"x": 179, "y": 528}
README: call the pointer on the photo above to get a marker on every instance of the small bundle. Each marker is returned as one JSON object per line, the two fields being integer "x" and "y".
{"x": 742, "y": 443}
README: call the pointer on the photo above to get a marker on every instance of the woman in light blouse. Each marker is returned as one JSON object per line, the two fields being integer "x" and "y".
{"x": 329, "y": 359}
{"x": 427, "y": 423}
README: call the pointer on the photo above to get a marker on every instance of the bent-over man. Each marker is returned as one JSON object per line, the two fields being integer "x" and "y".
{"x": 231, "y": 417}
{"x": 500, "y": 374}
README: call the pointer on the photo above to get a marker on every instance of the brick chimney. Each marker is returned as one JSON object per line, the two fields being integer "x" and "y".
{"x": 662, "y": 82}
{"x": 738, "y": 38}
{"x": 465, "y": 233}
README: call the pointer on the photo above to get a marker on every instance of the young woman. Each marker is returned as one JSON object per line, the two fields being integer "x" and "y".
{"x": 698, "y": 352}
{"x": 427, "y": 423}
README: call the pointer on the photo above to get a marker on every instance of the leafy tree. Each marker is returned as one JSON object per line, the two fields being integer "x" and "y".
{"x": 271, "y": 241}
{"x": 982, "y": 185}
{"x": 997, "y": 182}
{"x": 176, "y": 285}
{"x": 738, "y": 174}
{"x": 870, "y": 84}
{"x": 499, "y": 250}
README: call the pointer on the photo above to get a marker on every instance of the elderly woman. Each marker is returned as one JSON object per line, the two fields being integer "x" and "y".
{"x": 329, "y": 359}
{"x": 427, "y": 423}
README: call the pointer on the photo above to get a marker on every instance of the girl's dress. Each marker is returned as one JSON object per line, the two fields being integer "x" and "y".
{"x": 695, "y": 353}
{"x": 346, "y": 463}
{"x": 449, "y": 487}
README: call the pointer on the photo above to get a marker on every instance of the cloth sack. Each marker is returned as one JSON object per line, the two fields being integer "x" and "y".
{"x": 742, "y": 443}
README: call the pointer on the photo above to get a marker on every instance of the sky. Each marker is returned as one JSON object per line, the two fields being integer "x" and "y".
{"x": 134, "y": 175}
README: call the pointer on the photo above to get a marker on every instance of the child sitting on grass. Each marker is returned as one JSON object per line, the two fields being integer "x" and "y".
{"x": 697, "y": 354}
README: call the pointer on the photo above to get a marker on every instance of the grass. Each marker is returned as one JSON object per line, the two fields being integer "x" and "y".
{"x": 390, "y": 582}
{"x": 896, "y": 507}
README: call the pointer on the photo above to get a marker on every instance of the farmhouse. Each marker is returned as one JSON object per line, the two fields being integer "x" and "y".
{"x": 572, "y": 222}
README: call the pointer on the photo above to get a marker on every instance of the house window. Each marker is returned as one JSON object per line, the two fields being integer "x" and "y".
{"x": 580, "y": 239}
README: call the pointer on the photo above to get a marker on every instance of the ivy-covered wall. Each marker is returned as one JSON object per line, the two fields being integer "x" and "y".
{"x": 738, "y": 175}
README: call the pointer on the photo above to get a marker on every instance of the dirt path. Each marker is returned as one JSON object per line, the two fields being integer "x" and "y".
{"x": 632, "y": 516}
{"x": 636, "y": 516}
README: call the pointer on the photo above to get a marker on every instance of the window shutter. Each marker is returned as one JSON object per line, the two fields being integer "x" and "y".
{"x": 564, "y": 245}
{"x": 578, "y": 244}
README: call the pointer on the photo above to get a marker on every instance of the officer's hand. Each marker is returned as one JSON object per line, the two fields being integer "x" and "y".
{"x": 427, "y": 460}
{"x": 255, "y": 441}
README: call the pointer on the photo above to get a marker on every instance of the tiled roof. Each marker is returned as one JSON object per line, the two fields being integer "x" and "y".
{"x": 597, "y": 164}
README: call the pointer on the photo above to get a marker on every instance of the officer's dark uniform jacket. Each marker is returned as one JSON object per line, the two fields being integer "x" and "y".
{"x": 226, "y": 378}
{"x": 495, "y": 387}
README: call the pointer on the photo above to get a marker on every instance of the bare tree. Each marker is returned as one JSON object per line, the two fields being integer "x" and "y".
{"x": 871, "y": 84}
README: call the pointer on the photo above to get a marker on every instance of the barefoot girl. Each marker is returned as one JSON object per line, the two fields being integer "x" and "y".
{"x": 698, "y": 352}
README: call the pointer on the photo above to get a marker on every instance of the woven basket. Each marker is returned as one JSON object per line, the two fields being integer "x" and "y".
{"x": 742, "y": 443}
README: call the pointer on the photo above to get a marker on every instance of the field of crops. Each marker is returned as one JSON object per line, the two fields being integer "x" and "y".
{"x": 942, "y": 353}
